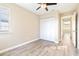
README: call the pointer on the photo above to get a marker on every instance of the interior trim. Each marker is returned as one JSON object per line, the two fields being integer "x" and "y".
{"x": 19, "y": 45}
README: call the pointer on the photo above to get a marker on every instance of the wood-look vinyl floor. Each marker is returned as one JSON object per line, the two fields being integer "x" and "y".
{"x": 41, "y": 48}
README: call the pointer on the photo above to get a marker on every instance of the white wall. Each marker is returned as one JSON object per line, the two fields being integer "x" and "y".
{"x": 23, "y": 25}
{"x": 54, "y": 14}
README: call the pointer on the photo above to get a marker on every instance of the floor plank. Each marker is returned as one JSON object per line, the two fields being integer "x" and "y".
{"x": 41, "y": 48}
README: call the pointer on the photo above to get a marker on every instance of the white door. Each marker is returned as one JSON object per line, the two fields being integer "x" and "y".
{"x": 49, "y": 29}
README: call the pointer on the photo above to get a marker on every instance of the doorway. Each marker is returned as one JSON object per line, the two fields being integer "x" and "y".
{"x": 69, "y": 29}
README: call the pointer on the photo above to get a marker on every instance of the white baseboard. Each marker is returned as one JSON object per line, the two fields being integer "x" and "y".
{"x": 19, "y": 45}
{"x": 51, "y": 40}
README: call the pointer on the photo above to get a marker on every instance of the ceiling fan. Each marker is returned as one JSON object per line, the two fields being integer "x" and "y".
{"x": 44, "y": 5}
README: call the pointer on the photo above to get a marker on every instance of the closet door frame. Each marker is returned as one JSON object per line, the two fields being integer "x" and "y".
{"x": 76, "y": 24}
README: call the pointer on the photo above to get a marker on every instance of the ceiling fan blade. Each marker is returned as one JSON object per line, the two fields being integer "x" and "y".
{"x": 46, "y": 9}
{"x": 51, "y": 3}
{"x": 38, "y": 8}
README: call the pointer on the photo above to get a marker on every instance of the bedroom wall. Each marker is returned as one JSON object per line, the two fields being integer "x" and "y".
{"x": 23, "y": 26}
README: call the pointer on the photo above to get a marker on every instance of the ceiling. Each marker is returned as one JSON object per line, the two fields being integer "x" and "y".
{"x": 60, "y": 7}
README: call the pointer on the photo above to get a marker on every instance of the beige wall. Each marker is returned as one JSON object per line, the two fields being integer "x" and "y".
{"x": 23, "y": 26}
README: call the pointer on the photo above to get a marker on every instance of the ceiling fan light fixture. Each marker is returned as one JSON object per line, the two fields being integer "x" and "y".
{"x": 43, "y": 5}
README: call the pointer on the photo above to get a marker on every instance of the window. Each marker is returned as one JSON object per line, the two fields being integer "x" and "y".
{"x": 4, "y": 20}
